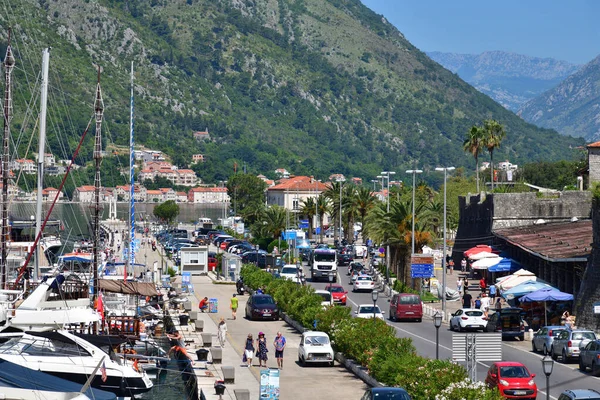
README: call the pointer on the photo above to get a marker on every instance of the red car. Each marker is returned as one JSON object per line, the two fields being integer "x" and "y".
{"x": 337, "y": 293}
{"x": 513, "y": 380}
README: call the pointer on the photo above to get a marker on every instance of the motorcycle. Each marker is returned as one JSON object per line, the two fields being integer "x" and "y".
{"x": 239, "y": 285}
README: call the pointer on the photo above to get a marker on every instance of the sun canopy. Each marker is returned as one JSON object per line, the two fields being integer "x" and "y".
{"x": 547, "y": 294}
{"x": 518, "y": 277}
{"x": 483, "y": 254}
{"x": 477, "y": 249}
{"x": 137, "y": 288}
{"x": 505, "y": 265}
{"x": 486, "y": 263}
{"x": 524, "y": 288}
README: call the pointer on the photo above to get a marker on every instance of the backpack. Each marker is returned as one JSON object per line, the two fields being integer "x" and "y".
{"x": 477, "y": 303}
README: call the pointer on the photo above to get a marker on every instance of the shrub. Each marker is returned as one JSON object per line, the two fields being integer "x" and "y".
{"x": 281, "y": 245}
{"x": 468, "y": 390}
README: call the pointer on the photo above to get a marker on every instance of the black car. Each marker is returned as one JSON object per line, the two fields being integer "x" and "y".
{"x": 508, "y": 321}
{"x": 344, "y": 259}
{"x": 387, "y": 393}
{"x": 261, "y": 306}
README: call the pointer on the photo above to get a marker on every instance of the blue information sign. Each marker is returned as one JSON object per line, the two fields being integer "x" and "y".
{"x": 421, "y": 266}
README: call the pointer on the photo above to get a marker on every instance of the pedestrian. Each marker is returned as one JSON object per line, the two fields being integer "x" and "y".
{"x": 279, "y": 344}
{"x": 203, "y": 305}
{"x": 248, "y": 351}
{"x": 180, "y": 353}
{"x": 467, "y": 299}
{"x": 261, "y": 352}
{"x": 485, "y": 303}
{"x": 459, "y": 285}
{"x": 176, "y": 339}
{"x": 463, "y": 265}
{"x": 234, "y": 306}
{"x": 222, "y": 332}
{"x": 482, "y": 285}
{"x": 498, "y": 304}
{"x": 478, "y": 302}
{"x": 492, "y": 292}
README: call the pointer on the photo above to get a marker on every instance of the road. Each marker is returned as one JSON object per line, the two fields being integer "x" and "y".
{"x": 564, "y": 376}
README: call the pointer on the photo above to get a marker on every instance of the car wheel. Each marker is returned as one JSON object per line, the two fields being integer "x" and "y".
{"x": 582, "y": 367}
{"x": 460, "y": 328}
{"x": 595, "y": 369}
{"x": 545, "y": 350}
{"x": 303, "y": 362}
{"x": 451, "y": 326}
{"x": 554, "y": 357}
{"x": 419, "y": 319}
{"x": 533, "y": 347}
{"x": 331, "y": 364}
{"x": 564, "y": 359}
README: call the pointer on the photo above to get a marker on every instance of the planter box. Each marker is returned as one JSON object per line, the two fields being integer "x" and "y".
{"x": 206, "y": 339}
{"x": 216, "y": 354}
{"x": 199, "y": 325}
{"x": 241, "y": 394}
{"x": 228, "y": 373}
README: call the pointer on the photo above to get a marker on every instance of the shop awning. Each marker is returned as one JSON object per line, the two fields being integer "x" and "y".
{"x": 486, "y": 263}
{"x": 505, "y": 265}
{"x": 477, "y": 249}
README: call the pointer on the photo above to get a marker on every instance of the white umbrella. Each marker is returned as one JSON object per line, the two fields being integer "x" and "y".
{"x": 484, "y": 254}
{"x": 517, "y": 278}
{"x": 485, "y": 263}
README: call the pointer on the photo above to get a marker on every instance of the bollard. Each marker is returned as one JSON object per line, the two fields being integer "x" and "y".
{"x": 206, "y": 339}
{"x": 216, "y": 354}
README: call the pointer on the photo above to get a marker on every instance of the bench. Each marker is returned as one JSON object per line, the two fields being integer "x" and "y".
{"x": 241, "y": 394}
{"x": 206, "y": 339}
{"x": 228, "y": 373}
{"x": 216, "y": 354}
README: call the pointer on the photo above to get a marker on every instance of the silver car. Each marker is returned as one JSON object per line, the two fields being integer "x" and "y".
{"x": 566, "y": 344}
{"x": 589, "y": 357}
{"x": 543, "y": 339}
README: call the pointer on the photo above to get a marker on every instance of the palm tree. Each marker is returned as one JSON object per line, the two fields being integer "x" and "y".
{"x": 474, "y": 145}
{"x": 333, "y": 194}
{"x": 494, "y": 133}
{"x": 365, "y": 201}
{"x": 349, "y": 207}
{"x": 308, "y": 210}
{"x": 323, "y": 206}
{"x": 275, "y": 220}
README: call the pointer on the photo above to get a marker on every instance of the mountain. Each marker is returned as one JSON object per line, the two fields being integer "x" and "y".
{"x": 573, "y": 107}
{"x": 510, "y": 79}
{"x": 312, "y": 86}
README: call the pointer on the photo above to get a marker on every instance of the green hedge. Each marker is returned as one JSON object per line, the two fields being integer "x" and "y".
{"x": 371, "y": 343}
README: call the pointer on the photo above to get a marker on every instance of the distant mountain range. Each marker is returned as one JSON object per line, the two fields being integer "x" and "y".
{"x": 572, "y": 107}
{"x": 508, "y": 78}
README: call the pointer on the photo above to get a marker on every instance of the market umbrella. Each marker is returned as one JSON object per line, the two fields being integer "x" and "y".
{"x": 483, "y": 254}
{"x": 524, "y": 288}
{"x": 505, "y": 265}
{"x": 477, "y": 249}
{"x": 518, "y": 277}
{"x": 546, "y": 294}
{"x": 485, "y": 263}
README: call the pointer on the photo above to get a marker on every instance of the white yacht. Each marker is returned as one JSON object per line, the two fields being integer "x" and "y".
{"x": 68, "y": 356}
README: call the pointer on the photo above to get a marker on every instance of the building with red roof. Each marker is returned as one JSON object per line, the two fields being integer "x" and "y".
{"x": 208, "y": 195}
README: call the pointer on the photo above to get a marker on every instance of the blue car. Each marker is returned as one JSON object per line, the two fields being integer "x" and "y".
{"x": 387, "y": 393}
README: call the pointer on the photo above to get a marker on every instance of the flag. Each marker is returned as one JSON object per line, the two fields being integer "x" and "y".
{"x": 103, "y": 370}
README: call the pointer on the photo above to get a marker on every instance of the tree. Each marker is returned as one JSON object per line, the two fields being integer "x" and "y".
{"x": 364, "y": 202}
{"x": 245, "y": 190}
{"x": 275, "y": 220}
{"x": 167, "y": 211}
{"x": 308, "y": 209}
{"x": 474, "y": 145}
{"x": 323, "y": 206}
{"x": 493, "y": 135}
{"x": 333, "y": 194}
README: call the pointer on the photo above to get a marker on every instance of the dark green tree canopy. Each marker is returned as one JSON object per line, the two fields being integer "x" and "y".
{"x": 245, "y": 190}
{"x": 167, "y": 211}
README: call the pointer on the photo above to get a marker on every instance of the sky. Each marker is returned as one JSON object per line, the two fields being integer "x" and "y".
{"x": 564, "y": 30}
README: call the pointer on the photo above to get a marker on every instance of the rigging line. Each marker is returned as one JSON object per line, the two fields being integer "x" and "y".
{"x": 62, "y": 184}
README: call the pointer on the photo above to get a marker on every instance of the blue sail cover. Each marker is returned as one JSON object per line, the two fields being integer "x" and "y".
{"x": 16, "y": 376}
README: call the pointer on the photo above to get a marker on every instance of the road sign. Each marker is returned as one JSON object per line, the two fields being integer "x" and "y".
{"x": 421, "y": 266}
{"x": 382, "y": 249}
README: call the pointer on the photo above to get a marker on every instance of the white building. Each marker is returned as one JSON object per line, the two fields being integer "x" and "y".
{"x": 208, "y": 195}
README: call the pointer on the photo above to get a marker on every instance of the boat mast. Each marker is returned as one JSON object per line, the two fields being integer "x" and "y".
{"x": 99, "y": 112}
{"x": 9, "y": 63}
{"x": 41, "y": 157}
{"x": 130, "y": 254}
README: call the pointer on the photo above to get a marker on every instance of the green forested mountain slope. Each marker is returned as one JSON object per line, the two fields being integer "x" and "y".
{"x": 314, "y": 86}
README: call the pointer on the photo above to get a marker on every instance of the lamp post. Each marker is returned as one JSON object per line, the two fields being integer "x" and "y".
{"x": 547, "y": 366}
{"x": 374, "y": 182}
{"x": 341, "y": 180}
{"x": 386, "y": 175}
{"x": 445, "y": 170}
{"x": 374, "y": 296}
{"x": 414, "y": 173}
{"x": 437, "y": 322}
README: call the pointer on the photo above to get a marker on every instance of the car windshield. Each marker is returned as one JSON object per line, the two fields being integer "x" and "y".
{"x": 368, "y": 310}
{"x": 325, "y": 296}
{"x": 475, "y": 313}
{"x": 336, "y": 289}
{"x": 395, "y": 395}
{"x": 514, "y": 371}
{"x": 584, "y": 336}
{"x": 324, "y": 256}
{"x": 410, "y": 300}
{"x": 263, "y": 300}
{"x": 364, "y": 278}
{"x": 316, "y": 340}
{"x": 289, "y": 270}
{"x": 554, "y": 332}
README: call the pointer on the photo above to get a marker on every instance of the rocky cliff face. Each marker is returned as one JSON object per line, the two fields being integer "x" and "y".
{"x": 510, "y": 79}
{"x": 572, "y": 107}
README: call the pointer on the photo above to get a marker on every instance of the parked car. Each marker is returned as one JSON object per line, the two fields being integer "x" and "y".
{"x": 363, "y": 282}
{"x": 406, "y": 306}
{"x": 508, "y": 321}
{"x": 355, "y": 266}
{"x": 566, "y": 344}
{"x": 468, "y": 318}
{"x": 261, "y": 306}
{"x": 589, "y": 357}
{"x": 368, "y": 311}
{"x": 327, "y": 298}
{"x": 387, "y": 393}
{"x": 345, "y": 259}
{"x": 513, "y": 380}
{"x": 353, "y": 276}
{"x": 315, "y": 347}
{"x": 290, "y": 271}
{"x": 577, "y": 394}
{"x": 544, "y": 337}
{"x": 338, "y": 293}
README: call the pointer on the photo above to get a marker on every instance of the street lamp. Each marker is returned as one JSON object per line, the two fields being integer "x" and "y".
{"x": 374, "y": 296}
{"x": 374, "y": 182}
{"x": 414, "y": 173}
{"x": 437, "y": 322}
{"x": 547, "y": 366}
{"x": 445, "y": 170}
{"x": 341, "y": 180}
{"x": 386, "y": 175}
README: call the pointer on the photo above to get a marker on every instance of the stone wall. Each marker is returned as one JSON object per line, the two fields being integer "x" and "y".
{"x": 589, "y": 292}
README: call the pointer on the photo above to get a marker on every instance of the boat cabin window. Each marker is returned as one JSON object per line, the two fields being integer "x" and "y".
{"x": 42, "y": 347}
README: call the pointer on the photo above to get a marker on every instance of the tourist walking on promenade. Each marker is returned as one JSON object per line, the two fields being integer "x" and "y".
{"x": 233, "y": 305}
{"x": 261, "y": 344}
{"x": 248, "y": 351}
{"x": 222, "y": 332}
{"x": 279, "y": 344}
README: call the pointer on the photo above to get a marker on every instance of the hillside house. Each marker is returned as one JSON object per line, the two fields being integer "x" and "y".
{"x": 282, "y": 173}
{"x": 168, "y": 194}
{"x": 208, "y": 195}
{"x": 155, "y": 196}
{"x": 182, "y": 197}
{"x": 84, "y": 194}
{"x": 202, "y": 135}
{"x": 197, "y": 158}
{"x": 48, "y": 194}
{"x": 24, "y": 165}
{"x": 289, "y": 193}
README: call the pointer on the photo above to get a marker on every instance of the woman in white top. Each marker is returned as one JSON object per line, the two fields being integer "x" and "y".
{"x": 222, "y": 332}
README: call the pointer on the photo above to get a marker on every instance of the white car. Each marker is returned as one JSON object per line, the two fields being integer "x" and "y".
{"x": 289, "y": 271}
{"x": 363, "y": 282}
{"x": 315, "y": 347}
{"x": 367, "y": 311}
{"x": 468, "y": 318}
{"x": 327, "y": 298}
